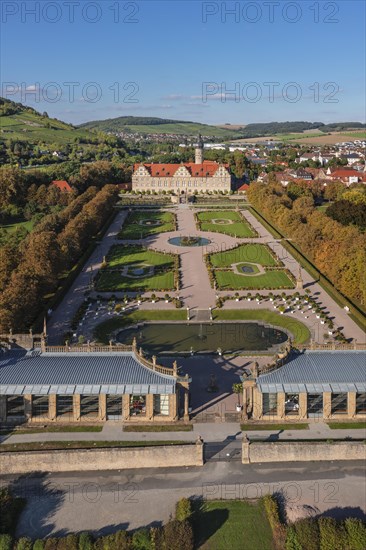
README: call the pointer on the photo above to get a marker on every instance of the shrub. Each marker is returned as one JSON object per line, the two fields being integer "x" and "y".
{"x": 178, "y": 535}
{"x": 183, "y": 509}
{"x": 292, "y": 542}
{"x": 24, "y": 543}
{"x": 6, "y": 542}
{"x": 10, "y": 509}
{"x": 38, "y": 545}
{"x": 51, "y": 544}
{"x": 356, "y": 534}
{"x": 307, "y": 532}
{"x": 70, "y": 542}
{"x": 332, "y": 535}
{"x": 122, "y": 541}
{"x": 85, "y": 541}
{"x": 141, "y": 540}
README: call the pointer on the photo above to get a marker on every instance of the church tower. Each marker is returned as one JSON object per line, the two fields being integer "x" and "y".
{"x": 198, "y": 153}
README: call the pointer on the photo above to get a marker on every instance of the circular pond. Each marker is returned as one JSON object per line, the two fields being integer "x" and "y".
{"x": 247, "y": 269}
{"x": 158, "y": 338}
{"x": 189, "y": 241}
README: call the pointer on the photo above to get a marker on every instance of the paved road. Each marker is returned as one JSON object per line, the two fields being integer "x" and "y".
{"x": 59, "y": 322}
{"x": 106, "y": 501}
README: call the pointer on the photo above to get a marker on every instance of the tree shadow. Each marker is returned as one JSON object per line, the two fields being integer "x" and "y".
{"x": 206, "y": 522}
{"x": 43, "y": 500}
{"x": 340, "y": 513}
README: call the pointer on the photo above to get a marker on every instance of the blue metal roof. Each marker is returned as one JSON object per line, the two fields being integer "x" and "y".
{"x": 39, "y": 373}
{"x": 318, "y": 372}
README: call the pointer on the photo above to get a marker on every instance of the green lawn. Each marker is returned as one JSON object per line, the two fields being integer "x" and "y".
{"x": 300, "y": 332}
{"x": 136, "y": 225}
{"x": 55, "y": 445}
{"x": 232, "y": 525}
{"x": 239, "y": 228}
{"x": 51, "y": 429}
{"x": 254, "y": 253}
{"x": 158, "y": 428}
{"x": 103, "y": 331}
{"x": 273, "y": 427}
{"x": 110, "y": 278}
{"x": 270, "y": 280}
{"x": 347, "y": 425}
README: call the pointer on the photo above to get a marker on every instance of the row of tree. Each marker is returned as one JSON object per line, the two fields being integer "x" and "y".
{"x": 338, "y": 251}
{"x": 51, "y": 249}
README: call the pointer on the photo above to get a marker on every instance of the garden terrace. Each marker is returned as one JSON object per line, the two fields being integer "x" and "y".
{"x": 135, "y": 268}
{"x": 227, "y": 222}
{"x": 142, "y": 224}
{"x": 263, "y": 269}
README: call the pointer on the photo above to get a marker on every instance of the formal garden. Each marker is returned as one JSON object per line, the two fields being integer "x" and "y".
{"x": 248, "y": 266}
{"x": 141, "y": 224}
{"x": 137, "y": 269}
{"x": 228, "y": 222}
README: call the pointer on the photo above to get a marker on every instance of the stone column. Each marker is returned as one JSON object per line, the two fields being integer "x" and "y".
{"x": 28, "y": 407}
{"x": 327, "y": 404}
{"x": 2, "y": 408}
{"x": 76, "y": 407}
{"x": 303, "y": 405}
{"x": 257, "y": 404}
{"x": 149, "y": 406}
{"x": 52, "y": 407}
{"x": 244, "y": 414}
{"x": 173, "y": 406}
{"x": 281, "y": 398}
{"x": 102, "y": 407}
{"x": 126, "y": 406}
{"x": 186, "y": 405}
{"x": 351, "y": 404}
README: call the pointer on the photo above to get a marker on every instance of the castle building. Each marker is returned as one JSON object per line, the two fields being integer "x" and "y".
{"x": 189, "y": 177}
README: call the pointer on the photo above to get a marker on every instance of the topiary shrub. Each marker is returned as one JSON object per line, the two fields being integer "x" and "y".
{"x": 307, "y": 532}
{"x": 332, "y": 534}
{"x": 356, "y": 534}
{"x": 85, "y": 541}
{"x": 292, "y": 542}
{"x": 24, "y": 543}
{"x": 141, "y": 540}
{"x": 183, "y": 509}
{"x": 178, "y": 535}
{"x": 6, "y": 542}
{"x": 51, "y": 544}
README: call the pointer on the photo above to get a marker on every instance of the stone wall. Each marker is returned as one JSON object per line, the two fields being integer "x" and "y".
{"x": 101, "y": 459}
{"x": 302, "y": 451}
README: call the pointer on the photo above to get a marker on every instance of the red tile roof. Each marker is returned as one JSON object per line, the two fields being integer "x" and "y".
{"x": 243, "y": 187}
{"x": 346, "y": 173}
{"x": 207, "y": 168}
{"x": 62, "y": 185}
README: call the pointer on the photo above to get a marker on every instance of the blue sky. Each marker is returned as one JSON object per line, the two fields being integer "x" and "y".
{"x": 180, "y": 60}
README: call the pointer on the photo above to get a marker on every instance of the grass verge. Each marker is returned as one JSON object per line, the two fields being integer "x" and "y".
{"x": 347, "y": 425}
{"x": 51, "y": 429}
{"x": 272, "y": 427}
{"x": 158, "y": 428}
{"x": 65, "y": 445}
